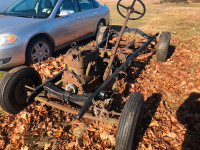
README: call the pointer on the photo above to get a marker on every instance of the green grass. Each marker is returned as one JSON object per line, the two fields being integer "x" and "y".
{"x": 179, "y": 18}
{"x": 2, "y": 73}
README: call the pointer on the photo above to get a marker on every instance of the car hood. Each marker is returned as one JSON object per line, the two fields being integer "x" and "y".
{"x": 12, "y": 24}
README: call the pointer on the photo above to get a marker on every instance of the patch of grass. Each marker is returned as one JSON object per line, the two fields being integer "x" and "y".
{"x": 173, "y": 106}
{"x": 35, "y": 141}
{"x": 2, "y": 74}
{"x": 79, "y": 131}
{"x": 2, "y": 112}
{"x": 64, "y": 124}
{"x": 178, "y": 18}
{"x": 29, "y": 138}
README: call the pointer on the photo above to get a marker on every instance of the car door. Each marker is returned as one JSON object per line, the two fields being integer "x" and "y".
{"x": 88, "y": 16}
{"x": 67, "y": 28}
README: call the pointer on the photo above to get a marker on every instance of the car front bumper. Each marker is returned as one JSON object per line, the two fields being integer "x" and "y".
{"x": 12, "y": 55}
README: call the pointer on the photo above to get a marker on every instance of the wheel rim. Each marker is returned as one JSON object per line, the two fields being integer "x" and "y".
{"x": 101, "y": 24}
{"x": 40, "y": 52}
{"x": 20, "y": 91}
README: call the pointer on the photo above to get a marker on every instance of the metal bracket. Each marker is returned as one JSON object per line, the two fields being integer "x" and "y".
{"x": 40, "y": 88}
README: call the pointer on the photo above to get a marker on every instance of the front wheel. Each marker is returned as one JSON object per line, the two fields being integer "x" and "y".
{"x": 38, "y": 50}
{"x": 129, "y": 122}
{"x": 13, "y": 93}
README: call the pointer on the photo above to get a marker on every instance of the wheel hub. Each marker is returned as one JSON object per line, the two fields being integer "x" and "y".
{"x": 40, "y": 52}
{"x": 20, "y": 94}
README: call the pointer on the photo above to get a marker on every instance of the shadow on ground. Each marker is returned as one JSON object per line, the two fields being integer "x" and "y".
{"x": 150, "y": 108}
{"x": 189, "y": 115}
{"x": 116, "y": 27}
{"x": 172, "y": 49}
{"x": 81, "y": 43}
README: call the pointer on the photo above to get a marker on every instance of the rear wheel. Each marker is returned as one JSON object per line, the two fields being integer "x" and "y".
{"x": 130, "y": 121}
{"x": 163, "y": 46}
{"x": 38, "y": 50}
{"x": 13, "y": 93}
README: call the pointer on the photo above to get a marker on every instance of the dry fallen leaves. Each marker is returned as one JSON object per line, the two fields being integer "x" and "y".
{"x": 165, "y": 87}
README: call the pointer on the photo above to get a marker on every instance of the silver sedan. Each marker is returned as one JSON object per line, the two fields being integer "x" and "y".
{"x": 31, "y": 30}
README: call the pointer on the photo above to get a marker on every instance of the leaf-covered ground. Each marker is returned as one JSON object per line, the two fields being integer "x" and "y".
{"x": 171, "y": 118}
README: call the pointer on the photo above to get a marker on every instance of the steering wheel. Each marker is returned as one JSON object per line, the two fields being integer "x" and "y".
{"x": 141, "y": 13}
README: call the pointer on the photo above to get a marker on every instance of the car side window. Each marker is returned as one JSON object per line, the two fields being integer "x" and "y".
{"x": 44, "y": 2}
{"x": 69, "y": 5}
{"x": 26, "y": 6}
{"x": 96, "y": 5}
{"x": 85, "y": 5}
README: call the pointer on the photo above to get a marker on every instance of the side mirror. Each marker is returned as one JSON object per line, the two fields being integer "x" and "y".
{"x": 64, "y": 13}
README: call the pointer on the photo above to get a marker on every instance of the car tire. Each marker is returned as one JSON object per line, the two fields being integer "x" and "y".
{"x": 12, "y": 88}
{"x": 38, "y": 50}
{"x": 102, "y": 33}
{"x": 163, "y": 46}
{"x": 99, "y": 25}
{"x": 130, "y": 121}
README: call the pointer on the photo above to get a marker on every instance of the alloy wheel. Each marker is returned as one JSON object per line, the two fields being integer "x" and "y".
{"x": 40, "y": 52}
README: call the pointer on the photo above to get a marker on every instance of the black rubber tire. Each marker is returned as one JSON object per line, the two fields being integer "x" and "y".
{"x": 102, "y": 33}
{"x": 129, "y": 122}
{"x": 17, "y": 77}
{"x": 29, "y": 60}
{"x": 99, "y": 25}
{"x": 163, "y": 46}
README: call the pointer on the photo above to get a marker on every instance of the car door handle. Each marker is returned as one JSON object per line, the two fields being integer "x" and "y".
{"x": 77, "y": 18}
{"x": 95, "y": 13}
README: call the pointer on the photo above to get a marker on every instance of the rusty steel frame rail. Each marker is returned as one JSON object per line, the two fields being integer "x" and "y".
{"x": 88, "y": 102}
{"x": 73, "y": 111}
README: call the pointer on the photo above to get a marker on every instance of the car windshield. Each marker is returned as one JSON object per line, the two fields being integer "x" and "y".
{"x": 31, "y": 8}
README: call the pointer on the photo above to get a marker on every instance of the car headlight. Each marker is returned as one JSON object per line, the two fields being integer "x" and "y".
{"x": 7, "y": 39}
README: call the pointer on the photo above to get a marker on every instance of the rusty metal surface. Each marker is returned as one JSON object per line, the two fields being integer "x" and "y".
{"x": 84, "y": 69}
{"x": 106, "y": 74}
{"x": 122, "y": 43}
{"x": 49, "y": 95}
{"x": 84, "y": 84}
{"x": 73, "y": 111}
{"x": 71, "y": 78}
{"x": 75, "y": 58}
{"x": 121, "y": 55}
{"x": 89, "y": 101}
